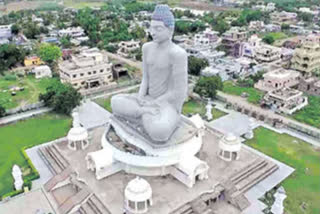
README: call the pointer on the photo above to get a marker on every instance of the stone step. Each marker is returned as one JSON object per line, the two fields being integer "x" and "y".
{"x": 185, "y": 209}
{"x": 241, "y": 202}
{"x": 57, "y": 178}
{"x": 256, "y": 177}
{"x": 53, "y": 165}
{"x": 60, "y": 157}
{"x": 43, "y": 156}
{"x": 73, "y": 201}
{"x": 86, "y": 209}
{"x": 199, "y": 206}
{"x": 247, "y": 171}
{"x": 53, "y": 158}
{"x": 97, "y": 206}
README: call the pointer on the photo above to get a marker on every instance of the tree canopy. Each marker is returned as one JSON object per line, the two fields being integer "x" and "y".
{"x": 10, "y": 55}
{"x": 207, "y": 86}
{"x": 49, "y": 52}
{"x": 195, "y": 65}
{"x": 63, "y": 98}
{"x": 268, "y": 39}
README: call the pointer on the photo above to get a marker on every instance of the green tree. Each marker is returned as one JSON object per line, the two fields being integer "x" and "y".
{"x": 195, "y": 65}
{"x": 138, "y": 33}
{"x": 10, "y": 55}
{"x": 2, "y": 111}
{"x": 285, "y": 27}
{"x": 49, "y": 53}
{"x": 221, "y": 26}
{"x": 306, "y": 17}
{"x": 15, "y": 29}
{"x": 65, "y": 42}
{"x": 268, "y": 39}
{"x": 31, "y": 30}
{"x": 63, "y": 98}
{"x": 207, "y": 86}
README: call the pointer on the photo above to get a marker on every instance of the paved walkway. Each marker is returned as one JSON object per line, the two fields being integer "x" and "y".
{"x": 27, "y": 203}
{"x": 24, "y": 115}
{"x": 91, "y": 115}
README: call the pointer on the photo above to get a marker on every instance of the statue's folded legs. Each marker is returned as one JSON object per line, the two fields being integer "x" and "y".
{"x": 159, "y": 122}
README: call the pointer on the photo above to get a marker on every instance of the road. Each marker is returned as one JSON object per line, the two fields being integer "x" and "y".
{"x": 24, "y": 115}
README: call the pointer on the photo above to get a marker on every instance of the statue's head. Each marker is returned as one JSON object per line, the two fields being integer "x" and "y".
{"x": 162, "y": 24}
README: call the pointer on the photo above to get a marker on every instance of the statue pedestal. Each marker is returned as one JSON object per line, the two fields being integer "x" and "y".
{"x": 132, "y": 153}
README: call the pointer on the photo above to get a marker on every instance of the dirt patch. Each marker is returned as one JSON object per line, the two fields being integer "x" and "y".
{"x": 204, "y": 6}
{"x": 22, "y": 5}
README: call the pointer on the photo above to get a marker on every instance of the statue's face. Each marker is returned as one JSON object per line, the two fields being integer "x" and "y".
{"x": 159, "y": 32}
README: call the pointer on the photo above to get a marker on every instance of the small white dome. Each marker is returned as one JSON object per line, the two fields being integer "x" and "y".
{"x": 230, "y": 138}
{"x": 138, "y": 189}
{"x": 77, "y": 134}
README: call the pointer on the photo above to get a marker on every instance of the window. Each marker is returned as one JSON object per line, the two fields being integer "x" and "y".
{"x": 226, "y": 154}
{"x": 101, "y": 71}
{"x": 141, "y": 205}
{"x": 82, "y": 74}
{"x": 94, "y": 72}
{"x": 132, "y": 205}
{"x": 74, "y": 76}
{"x": 89, "y": 73}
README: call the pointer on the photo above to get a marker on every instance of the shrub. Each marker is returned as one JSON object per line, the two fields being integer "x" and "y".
{"x": 10, "y": 77}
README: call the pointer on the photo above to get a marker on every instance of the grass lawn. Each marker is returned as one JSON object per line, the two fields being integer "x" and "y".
{"x": 254, "y": 95}
{"x": 311, "y": 113}
{"x": 26, "y": 133}
{"x": 81, "y": 5}
{"x": 303, "y": 186}
{"x": 104, "y": 103}
{"x": 195, "y": 107}
{"x": 32, "y": 88}
{"x": 277, "y": 35}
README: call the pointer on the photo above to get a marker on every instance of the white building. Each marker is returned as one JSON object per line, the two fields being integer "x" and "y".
{"x": 278, "y": 79}
{"x": 72, "y": 32}
{"x": 89, "y": 69}
{"x": 286, "y": 100}
{"x": 5, "y": 32}
{"x": 42, "y": 71}
{"x": 127, "y": 47}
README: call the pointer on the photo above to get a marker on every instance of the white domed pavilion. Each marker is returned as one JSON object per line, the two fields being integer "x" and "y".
{"x": 229, "y": 147}
{"x": 138, "y": 196}
{"x": 77, "y": 136}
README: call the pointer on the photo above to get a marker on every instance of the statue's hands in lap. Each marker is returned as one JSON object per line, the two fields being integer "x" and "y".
{"x": 149, "y": 106}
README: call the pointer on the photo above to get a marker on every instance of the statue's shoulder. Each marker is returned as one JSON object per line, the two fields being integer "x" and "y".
{"x": 176, "y": 52}
{"x": 147, "y": 46}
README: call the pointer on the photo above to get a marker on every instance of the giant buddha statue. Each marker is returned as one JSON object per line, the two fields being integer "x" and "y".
{"x": 156, "y": 109}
